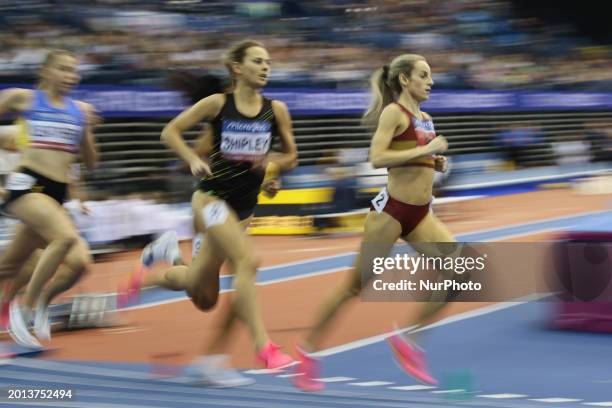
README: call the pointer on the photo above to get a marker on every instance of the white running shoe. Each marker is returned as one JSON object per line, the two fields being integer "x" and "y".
{"x": 165, "y": 248}
{"x": 213, "y": 371}
{"x": 42, "y": 326}
{"x": 18, "y": 328}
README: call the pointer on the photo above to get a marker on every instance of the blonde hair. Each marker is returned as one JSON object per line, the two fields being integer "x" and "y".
{"x": 51, "y": 57}
{"x": 385, "y": 85}
{"x": 236, "y": 53}
{"x": 54, "y": 54}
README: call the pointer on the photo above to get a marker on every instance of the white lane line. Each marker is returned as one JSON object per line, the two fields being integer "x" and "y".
{"x": 485, "y": 310}
{"x": 309, "y": 260}
{"x": 290, "y": 375}
{"x": 371, "y": 383}
{"x": 353, "y": 345}
{"x": 462, "y": 316}
{"x": 599, "y": 404}
{"x": 454, "y": 391}
{"x": 122, "y": 330}
{"x": 308, "y": 275}
{"x": 335, "y": 379}
{"x": 262, "y": 371}
{"x": 555, "y": 400}
{"x": 526, "y": 224}
{"x": 527, "y": 179}
{"x": 502, "y": 396}
{"x": 412, "y": 387}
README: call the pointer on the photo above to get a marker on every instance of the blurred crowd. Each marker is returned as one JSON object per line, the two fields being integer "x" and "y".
{"x": 471, "y": 44}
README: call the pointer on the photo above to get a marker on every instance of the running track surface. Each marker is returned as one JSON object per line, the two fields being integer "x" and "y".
{"x": 501, "y": 354}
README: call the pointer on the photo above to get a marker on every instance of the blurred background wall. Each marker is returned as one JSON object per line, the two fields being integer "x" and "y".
{"x": 523, "y": 90}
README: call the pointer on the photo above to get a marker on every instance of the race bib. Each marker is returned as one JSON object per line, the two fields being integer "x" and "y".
{"x": 55, "y": 132}
{"x": 380, "y": 200}
{"x": 215, "y": 213}
{"x": 196, "y": 245}
{"x": 19, "y": 181}
{"x": 245, "y": 140}
{"x": 424, "y": 130}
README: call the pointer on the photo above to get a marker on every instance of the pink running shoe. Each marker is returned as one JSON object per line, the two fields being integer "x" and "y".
{"x": 272, "y": 358}
{"x": 308, "y": 370}
{"x": 411, "y": 359}
{"x": 128, "y": 292}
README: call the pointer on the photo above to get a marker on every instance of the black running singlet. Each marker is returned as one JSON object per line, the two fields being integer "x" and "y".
{"x": 238, "y": 141}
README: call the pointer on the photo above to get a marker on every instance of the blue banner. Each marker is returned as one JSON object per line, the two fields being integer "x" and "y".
{"x": 133, "y": 102}
{"x": 113, "y": 101}
{"x": 143, "y": 101}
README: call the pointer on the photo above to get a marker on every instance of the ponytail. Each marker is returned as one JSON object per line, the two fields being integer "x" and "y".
{"x": 195, "y": 87}
{"x": 385, "y": 85}
{"x": 381, "y": 94}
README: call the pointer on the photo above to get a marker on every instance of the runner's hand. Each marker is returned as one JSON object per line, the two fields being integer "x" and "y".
{"x": 440, "y": 164}
{"x": 271, "y": 187}
{"x": 199, "y": 167}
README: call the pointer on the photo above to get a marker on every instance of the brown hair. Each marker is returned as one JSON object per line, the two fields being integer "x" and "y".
{"x": 385, "y": 85}
{"x": 236, "y": 53}
{"x": 196, "y": 87}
